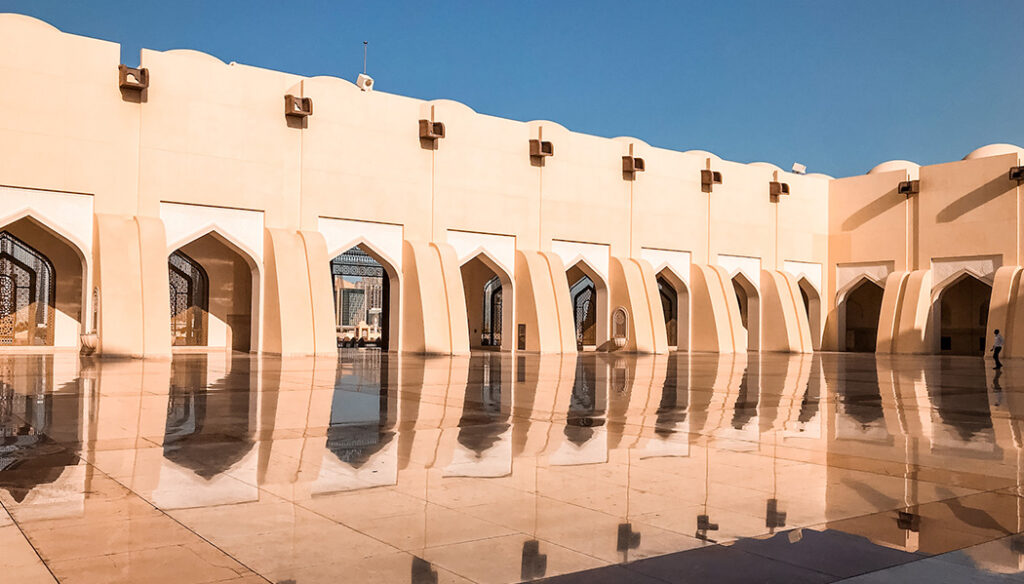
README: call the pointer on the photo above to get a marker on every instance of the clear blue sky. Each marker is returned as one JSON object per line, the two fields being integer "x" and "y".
{"x": 836, "y": 85}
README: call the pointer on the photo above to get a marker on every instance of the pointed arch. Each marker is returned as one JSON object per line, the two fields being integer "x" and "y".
{"x": 72, "y": 265}
{"x": 581, "y": 267}
{"x": 477, "y": 271}
{"x": 682, "y": 307}
{"x": 391, "y": 290}
{"x": 749, "y": 300}
{"x": 230, "y": 327}
{"x": 959, "y": 315}
{"x": 811, "y": 297}
{"x": 859, "y": 307}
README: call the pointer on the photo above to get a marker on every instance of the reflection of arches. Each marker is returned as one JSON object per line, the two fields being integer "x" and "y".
{"x": 812, "y": 305}
{"x": 390, "y": 290}
{"x": 233, "y": 275}
{"x": 208, "y": 429}
{"x": 586, "y": 405}
{"x": 589, "y": 294}
{"x": 859, "y": 311}
{"x": 488, "y": 291}
{"x": 750, "y": 312}
{"x": 27, "y": 294}
{"x": 190, "y": 300}
{"x": 485, "y": 411}
{"x": 37, "y": 425}
{"x": 674, "y": 293}
{"x": 961, "y": 311}
{"x": 362, "y": 422}
{"x": 67, "y": 257}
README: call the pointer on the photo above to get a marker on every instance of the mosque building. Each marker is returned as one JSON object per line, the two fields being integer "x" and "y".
{"x": 190, "y": 203}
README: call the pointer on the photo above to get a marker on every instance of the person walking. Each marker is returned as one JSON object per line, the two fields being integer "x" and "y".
{"x": 997, "y": 347}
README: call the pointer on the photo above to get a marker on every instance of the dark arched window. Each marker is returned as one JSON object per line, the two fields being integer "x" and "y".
{"x": 584, "y": 297}
{"x": 27, "y": 294}
{"x": 190, "y": 300}
{"x": 492, "y": 312}
{"x": 669, "y": 303}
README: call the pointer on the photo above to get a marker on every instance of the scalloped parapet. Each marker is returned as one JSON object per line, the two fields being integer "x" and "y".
{"x": 194, "y": 54}
{"x": 766, "y": 165}
{"x": 12, "y": 20}
{"x": 703, "y": 153}
{"x": 995, "y": 150}
{"x": 891, "y": 165}
{"x": 451, "y": 103}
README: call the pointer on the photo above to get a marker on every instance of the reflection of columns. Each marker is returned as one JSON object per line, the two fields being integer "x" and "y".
{"x": 582, "y": 439}
{"x": 544, "y": 384}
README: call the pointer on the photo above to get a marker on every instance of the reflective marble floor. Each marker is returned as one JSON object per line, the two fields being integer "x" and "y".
{"x": 500, "y": 468}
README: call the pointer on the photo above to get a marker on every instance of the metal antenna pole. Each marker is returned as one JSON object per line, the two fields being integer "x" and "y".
{"x": 364, "y": 56}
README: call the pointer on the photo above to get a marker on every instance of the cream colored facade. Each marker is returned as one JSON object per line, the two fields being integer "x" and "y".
{"x": 108, "y": 183}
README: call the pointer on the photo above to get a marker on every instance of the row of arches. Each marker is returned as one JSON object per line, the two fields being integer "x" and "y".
{"x": 213, "y": 285}
{"x": 960, "y": 310}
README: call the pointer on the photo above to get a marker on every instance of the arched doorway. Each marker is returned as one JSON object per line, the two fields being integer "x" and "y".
{"x": 43, "y": 282}
{"x": 589, "y": 295}
{"x": 362, "y": 299}
{"x": 213, "y": 287}
{"x": 487, "y": 288}
{"x": 750, "y": 314}
{"x": 861, "y": 309}
{"x": 963, "y": 316}
{"x": 812, "y": 306}
{"x": 675, "y": 305}
{"x": 27, "y": 294}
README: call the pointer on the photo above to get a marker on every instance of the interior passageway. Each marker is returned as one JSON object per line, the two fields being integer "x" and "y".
{"x": 488, "y": 291}
{"x": 365, "y": 289}
{"x": 860, "y": 310}
{"x": 212, "y": 299}
{"x": 42, "y": 286}
{"x": 963, "y": 316}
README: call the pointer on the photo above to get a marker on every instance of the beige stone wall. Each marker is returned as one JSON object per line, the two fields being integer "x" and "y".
{"x": 208, "y": 149}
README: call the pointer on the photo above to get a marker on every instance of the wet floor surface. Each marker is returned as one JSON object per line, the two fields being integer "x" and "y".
{"x": 508, "y": 468}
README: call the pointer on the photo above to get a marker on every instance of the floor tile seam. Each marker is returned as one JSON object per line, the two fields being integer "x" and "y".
{"x": 649, "y": 524}
{"x": 28, "y": 540}
{"x": 927, "y": 481}
{"x": 353, "y": 528}
{"x": 425, "y": 548}
{"x": 175, "y": 520}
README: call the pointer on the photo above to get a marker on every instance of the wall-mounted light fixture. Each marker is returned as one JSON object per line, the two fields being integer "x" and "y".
{"x": 709, "y": 178}
{"x": 431, "y": 130}
{"x": 134, "y": 78}
{"x": 633, "y": 164}
{"x": 298, "y": 107}
{"x": 133, "y": 83}
{"x": 541, "y": 149}
{"x": 776, "y": 188}
{"x": 1017, "y": 173}
{"x": 909, "y": 187}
